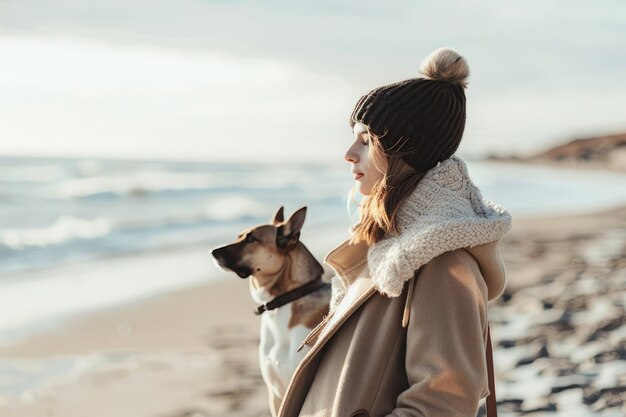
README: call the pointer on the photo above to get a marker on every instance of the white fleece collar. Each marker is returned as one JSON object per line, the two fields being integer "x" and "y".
{"x": 445, "y": 212}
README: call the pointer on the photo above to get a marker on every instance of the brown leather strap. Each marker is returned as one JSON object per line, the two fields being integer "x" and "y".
{"x": 492, "y": 411}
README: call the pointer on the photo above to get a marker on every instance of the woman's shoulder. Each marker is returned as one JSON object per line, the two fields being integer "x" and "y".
{"x": 456, "y": 268}
{"x": 457, "y": 258}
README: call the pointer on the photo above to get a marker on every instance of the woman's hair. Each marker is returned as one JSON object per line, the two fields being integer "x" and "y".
{"x": 377, "y": 214}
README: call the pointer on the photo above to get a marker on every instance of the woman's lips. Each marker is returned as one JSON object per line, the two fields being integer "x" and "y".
{"x": 358, "y": 176}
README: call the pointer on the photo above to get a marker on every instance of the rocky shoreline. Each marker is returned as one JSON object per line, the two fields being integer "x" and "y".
{"x": 559, "y": 330}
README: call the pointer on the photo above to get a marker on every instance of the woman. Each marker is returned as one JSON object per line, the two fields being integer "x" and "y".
{"x": 407, "y": 330}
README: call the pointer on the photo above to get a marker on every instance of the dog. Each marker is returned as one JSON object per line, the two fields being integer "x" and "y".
{"x": 286, "y": 280}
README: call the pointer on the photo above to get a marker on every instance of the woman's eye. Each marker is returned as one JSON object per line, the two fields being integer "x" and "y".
{"x": 364, "y": 141}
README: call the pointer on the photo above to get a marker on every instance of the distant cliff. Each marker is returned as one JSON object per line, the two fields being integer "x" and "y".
{"x": 607, "y": 152}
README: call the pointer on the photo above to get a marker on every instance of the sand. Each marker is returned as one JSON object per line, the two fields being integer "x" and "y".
{"x": 193, "y": 352}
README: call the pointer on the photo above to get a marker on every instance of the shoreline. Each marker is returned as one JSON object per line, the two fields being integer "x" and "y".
{"x": 223, "y": 281}
{"x": 99, "y": 285}
{"x": 118, "y": 331}
{"x": 572, "y": 165}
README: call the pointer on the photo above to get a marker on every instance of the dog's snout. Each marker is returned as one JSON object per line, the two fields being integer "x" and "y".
{"x": 219, "y": 257}
{"x": 223, "y": 259}
{"x": 218, "y": 250}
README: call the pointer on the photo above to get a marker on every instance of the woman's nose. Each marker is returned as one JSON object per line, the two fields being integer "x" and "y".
{"x": 351, "y": 156}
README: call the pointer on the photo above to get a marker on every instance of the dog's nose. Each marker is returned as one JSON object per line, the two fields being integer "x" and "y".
{"x": 217, "y": 255}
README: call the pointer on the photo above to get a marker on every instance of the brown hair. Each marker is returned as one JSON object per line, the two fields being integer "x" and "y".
{"x": 377, "y": 214}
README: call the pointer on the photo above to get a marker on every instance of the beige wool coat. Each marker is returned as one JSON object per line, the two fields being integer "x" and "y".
{"x": 410, "y": 338}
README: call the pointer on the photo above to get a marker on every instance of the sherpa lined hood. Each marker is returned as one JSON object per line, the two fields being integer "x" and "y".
{"x": 444, "y": 212}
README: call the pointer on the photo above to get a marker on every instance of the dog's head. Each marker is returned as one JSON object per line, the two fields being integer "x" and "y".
{"x": 261, "y": 250}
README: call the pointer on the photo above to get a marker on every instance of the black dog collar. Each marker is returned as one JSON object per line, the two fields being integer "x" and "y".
{"x": 292, "y": 295}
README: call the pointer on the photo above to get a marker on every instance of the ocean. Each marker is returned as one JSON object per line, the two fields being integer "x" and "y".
{"x": 82, "y": 234}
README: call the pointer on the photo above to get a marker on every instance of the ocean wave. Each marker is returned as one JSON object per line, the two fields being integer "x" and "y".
{"x": 67, "y": 229}
{"x": 130, "y": 184}
{"x": 64, "y": 228}
{"x": 235, "y": 207}
{"x": 153, "y": 181}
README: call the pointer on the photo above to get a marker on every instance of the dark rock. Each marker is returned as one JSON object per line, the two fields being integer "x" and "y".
{"x": 608, "y": 397}
{"x": 506, "y": 343}
{"x": 607, "y": 327}
{"x": 509, "y": 405}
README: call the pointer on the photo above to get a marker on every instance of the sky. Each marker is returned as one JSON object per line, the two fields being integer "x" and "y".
{"x": 276, "y": 81}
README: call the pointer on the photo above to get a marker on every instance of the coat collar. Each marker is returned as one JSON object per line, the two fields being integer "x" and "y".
{"x": 347, "y": 260}
{"x": 445, "y": 212}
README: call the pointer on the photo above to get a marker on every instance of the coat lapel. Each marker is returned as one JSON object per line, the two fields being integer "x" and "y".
{"x": 347, "y": 260}
{"x": 318, "y": 339}
{"x": 349, "y": 263}
{"x": 319, "y": 336}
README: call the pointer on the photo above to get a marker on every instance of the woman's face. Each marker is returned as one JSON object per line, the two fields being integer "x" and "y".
{"x": 361, "y": 161}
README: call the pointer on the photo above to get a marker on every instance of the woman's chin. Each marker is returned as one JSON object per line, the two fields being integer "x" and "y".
{"x": 363, "y": 190}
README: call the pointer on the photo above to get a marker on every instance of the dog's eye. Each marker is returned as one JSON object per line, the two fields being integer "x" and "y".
{"x": 250, "y": 238}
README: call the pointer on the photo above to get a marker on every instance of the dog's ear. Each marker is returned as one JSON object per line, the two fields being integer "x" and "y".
{"x": 295, "y": 222}
{"x": 289, "y": 232}
{"x": 278, "y": 216}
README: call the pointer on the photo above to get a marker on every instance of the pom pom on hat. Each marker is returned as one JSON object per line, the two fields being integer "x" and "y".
{"x": 445, "y": 64}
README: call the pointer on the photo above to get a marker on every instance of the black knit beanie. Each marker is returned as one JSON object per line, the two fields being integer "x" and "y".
{"x": 420, "y": 119}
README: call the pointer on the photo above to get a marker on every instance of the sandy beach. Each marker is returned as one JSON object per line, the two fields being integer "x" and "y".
{"x": 188, "y": 353}
{"x": 558, "y": 333}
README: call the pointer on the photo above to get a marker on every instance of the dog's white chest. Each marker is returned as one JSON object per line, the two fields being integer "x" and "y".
{"x": 277, "y": 351}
